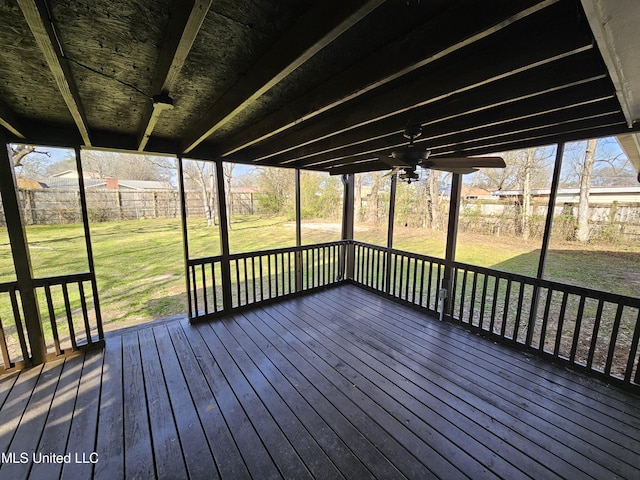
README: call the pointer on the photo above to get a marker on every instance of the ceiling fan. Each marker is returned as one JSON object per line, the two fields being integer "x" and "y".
{"x": 405, "y": 160}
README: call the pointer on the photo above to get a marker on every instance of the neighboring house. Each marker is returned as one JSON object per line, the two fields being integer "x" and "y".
{"x": 476, "y": 193}
{"x": 605, "y": 195}
{"x": 29, "y": 183}
{"x": 68, "y": 180}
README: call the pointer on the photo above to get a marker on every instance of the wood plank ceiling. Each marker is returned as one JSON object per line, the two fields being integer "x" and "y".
{"x": 325, "y": 85}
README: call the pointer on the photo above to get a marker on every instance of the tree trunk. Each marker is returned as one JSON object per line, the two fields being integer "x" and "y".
{"x": 357, "y": 200}
{"x": 582, "y": 232}
{"x": 526, "y": 195}
{"x": 372, "y": 204}
{"x": 434, "y": 204}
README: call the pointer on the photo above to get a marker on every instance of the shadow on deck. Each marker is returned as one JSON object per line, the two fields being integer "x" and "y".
{"x": 338, "y": 383}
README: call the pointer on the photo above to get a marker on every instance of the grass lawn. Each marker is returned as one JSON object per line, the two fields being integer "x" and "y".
{"x": 140, "y": 264}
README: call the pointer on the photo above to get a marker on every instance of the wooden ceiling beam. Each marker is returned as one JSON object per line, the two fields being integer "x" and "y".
{"x": 482, "y": 125}
{"x": 594, "y": 128}
{"x": 420, "y": 47}
{"x": 477, "y": 66}
{"x": 37, "y": 16}
{"x": 575, "y": 80}
{"x": 316, "y": 29}
{"x": 10, "y": 121}
{"x": 185, "y": 22}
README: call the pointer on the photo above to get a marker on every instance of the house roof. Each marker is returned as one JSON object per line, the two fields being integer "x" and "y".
{"x": 326, "y": 85}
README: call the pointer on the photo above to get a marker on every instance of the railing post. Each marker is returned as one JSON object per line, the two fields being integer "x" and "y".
{"x": 21, "y": 258}
{"x": 87, "y": 239}
{"x": 224, "y": 239}
{"x": 298, "y": 254}
{"x": 391, "y": 221}
{"x": 452, "y": 238}
{"x": 347, "y": 224}
{"x": 185, "y": 234}
{"x": 546, "y": 239}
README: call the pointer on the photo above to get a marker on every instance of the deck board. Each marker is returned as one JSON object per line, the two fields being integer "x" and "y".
{"x": 340, "y": 383}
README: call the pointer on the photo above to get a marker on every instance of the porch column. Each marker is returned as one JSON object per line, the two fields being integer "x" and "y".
{"x": 391, "y": 220}
{"x": 224, "y": 238}
{"x": 185, "y": 234}
{"x": 348, "y": 201}
{"x": 21, "y": 258}
{"x": 546, "y": 238}
{"x": 298, "y": 255}
{"x": 452, "y": 238}
{"x": 87, "y": 240}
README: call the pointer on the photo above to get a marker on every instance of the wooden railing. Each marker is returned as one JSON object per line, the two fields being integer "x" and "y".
{"x": 70, "y": 318}
{"x": 589, "y": 329}
{"x": 261, "y": 276}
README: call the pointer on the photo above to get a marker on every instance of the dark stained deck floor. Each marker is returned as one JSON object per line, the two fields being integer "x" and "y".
{"x": 336, "y": 384}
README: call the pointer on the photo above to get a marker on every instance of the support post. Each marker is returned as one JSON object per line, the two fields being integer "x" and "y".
{"x": 21, "y": 258}
{"x": 546, "y": 239}
{"x": 87, "y": 240}
{"x": 224, "y": 238}
{"x": 185, "y": 235}
{"x": 392, "y": 215}
{"x": 298, "y": 255}
{"x": 452, "y": 238}
{"x": 348, "y": 201}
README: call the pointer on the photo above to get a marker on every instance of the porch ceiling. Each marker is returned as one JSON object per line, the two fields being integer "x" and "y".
{"x": 316, "y": 85}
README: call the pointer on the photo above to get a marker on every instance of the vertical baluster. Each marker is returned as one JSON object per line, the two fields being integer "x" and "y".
{"x": 483, "y": 301}
{"x": 195, "y": 291}
{"x": 545, "y": 321}
{"x": 516, "y": 327}
{"x": 563, "y": 311}
{"x": 505, "y": 313}
{"x": 52, "y": 318}
{"x": 633, "y": 353}
{"x": 253, "y": 278}
{"x": 19, "y": 327}
{"x": 439, "y": 284}
{"x": 415, "y": 281}
{"x": 67, "y": 307}
{"x": 238, "y": 296}
{"x": 430, "y": 285}
{"x": 494, "y": 303}
{"x": 594, "y": 335}
{"x": 6, "y": 360}
{"x": 246, "y": 282}
{"x": 614, "y": 338}
{"x": 400, "y": 273}
{"x": 214, "y": 287}
{"x": 269, "y": 273}
{"x": 576, "y": 330}
{"x": 260, "y": 260}
{"x": 85, "y": 313}
{"x": 204, "y": 289}
{"x": 463, "y": 295}
{"x": 472, "y": 303}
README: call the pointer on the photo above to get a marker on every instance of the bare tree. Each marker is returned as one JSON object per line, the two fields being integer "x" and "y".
{"x": 582, "y": 231}
{"x": 31, "y": 168}
{"x": 227, "y": 169}
{"x": 201, "y": 175}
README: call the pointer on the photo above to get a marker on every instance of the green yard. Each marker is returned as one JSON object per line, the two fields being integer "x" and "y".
{"x": 140, "y": 264}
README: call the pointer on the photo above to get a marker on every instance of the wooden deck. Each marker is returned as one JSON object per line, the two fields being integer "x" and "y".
{"x": 340, "y": 383}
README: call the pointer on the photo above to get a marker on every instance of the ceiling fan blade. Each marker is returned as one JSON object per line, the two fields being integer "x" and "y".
{"x": 464, "y": 162}
{"x": 393, "y": 171}
{"x": 394, "y": 162}
{"x": 460, "y": 170}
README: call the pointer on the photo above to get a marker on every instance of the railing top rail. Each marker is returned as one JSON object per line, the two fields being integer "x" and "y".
{"x": 62, "y": 279}
{"x": 261, "y": 253}
{"x": 544, "y": 283}
{"x": 8, "y": 286}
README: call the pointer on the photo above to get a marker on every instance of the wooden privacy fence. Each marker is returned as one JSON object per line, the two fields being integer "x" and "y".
{"x": 589, "y": 329}
{"x": 70, "y": 318}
